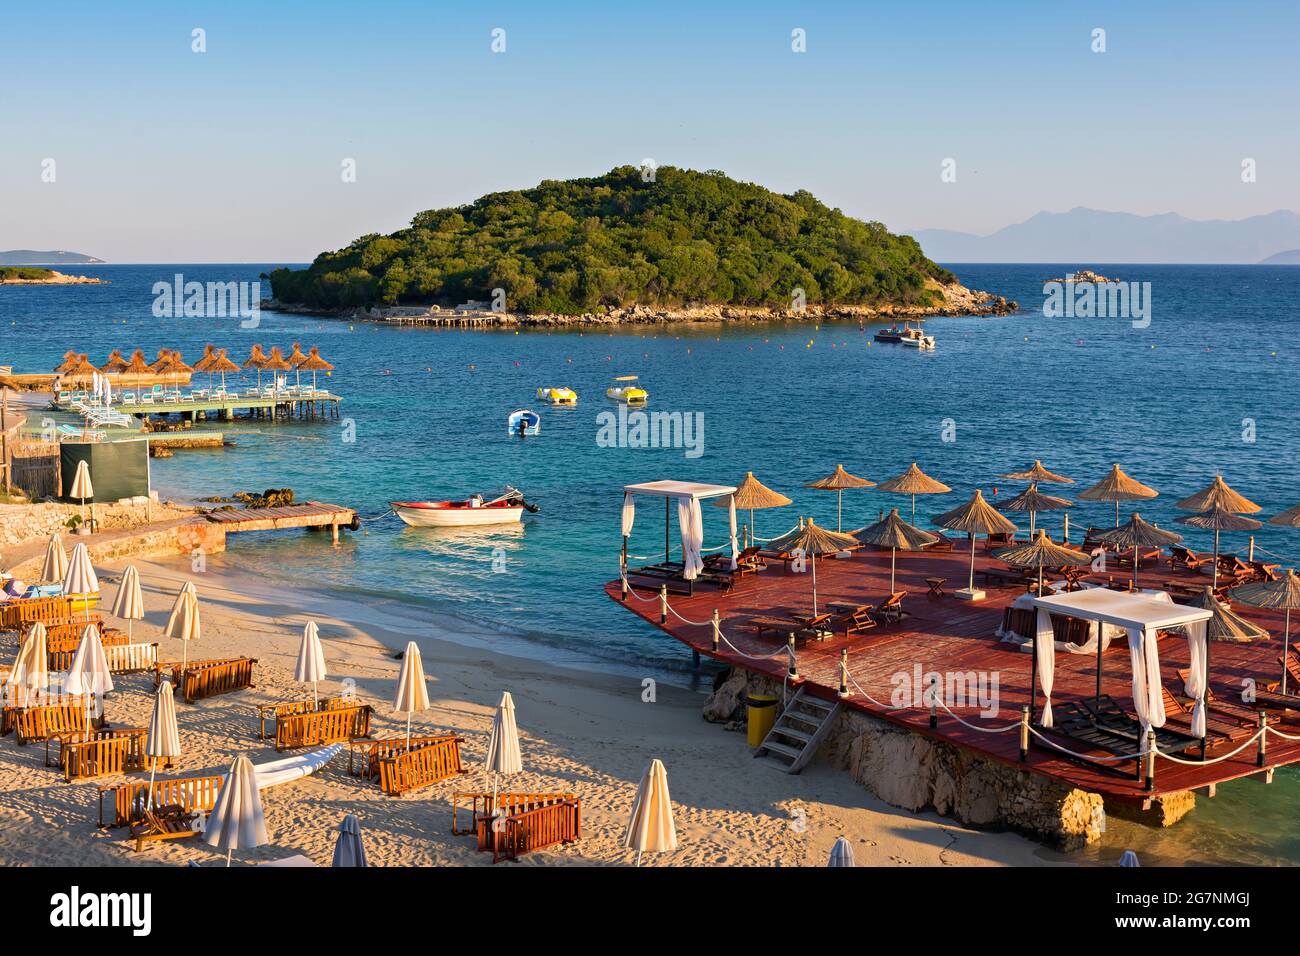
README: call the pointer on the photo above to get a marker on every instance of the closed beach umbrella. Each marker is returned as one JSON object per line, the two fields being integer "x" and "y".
{"x": 975, "y": 517}
{"x": 88, "y": 673}
{"x": 837, "y": 481}
{"x": 56, "y": 561}
{"x": 1138, "y": 534}
{"x": 81, "y": 486}
{"x": 913, "y": 482}
{"x": 348, "y": 848}
{"x": 1038, "y": 473}
{"x": 1041, "y": 553}
{"x": 894, "y": 533}
{"x": 30, "y": 673}
{"x": 164, "y": 740}
{"x": 1129, "y": 859}
{"x": 1218, "y": 494}
{"x": 1117, "y": 487}
{"x": 651, "y": 830}
{"x": 311, "y": 659}
{"x": 812, "y": 540}
{"x": 1282, "y": 594}
{"x": 752, "y": 495}
{"x": 503, "y": 746}
{"x": 841, "y": 854}
{"x": 1217, "y": 519}
{"x": 1033, "y": 501}
{"x": 412, "y": 694}
{"x": 183, "y": 622}
{"x": 80, "y": 578}
{"x": 236, "y": 821}
{"x": 314, "y": 363}
{"x": 129, "y": 603}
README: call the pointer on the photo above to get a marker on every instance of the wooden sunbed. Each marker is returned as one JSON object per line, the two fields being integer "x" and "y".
{"x": 483, "y": 806}
{"x": 103, "y": 752}
{"x": 274, "y": 712}
{"x": 941, "y": 543}
{"x": 129, "y": 799}
{"x": 322, "y": 727}
{"x": 802, "y": 629}
{"x": 1264, "y": 571}
{"x": 364, "y": 755}
{"x": 530, "y": 830}
{"x": 1108, "y": 714}
{"x": 421, "y": 766}
{"x": 208, "y": 678}
{"x": 850, "y": 619}
{"x": 1072, "y": 723}
{"x": 164, "y": 823}
{"x": 1180, "y": 557}
{"x": 1230, "y": 708}
{"x": 1219, "y": 730}
{"x": 44, "y": 720}
{"x": 891, "y": 611}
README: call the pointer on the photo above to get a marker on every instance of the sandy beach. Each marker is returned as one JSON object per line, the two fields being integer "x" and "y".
{"x": 580, "y": 731}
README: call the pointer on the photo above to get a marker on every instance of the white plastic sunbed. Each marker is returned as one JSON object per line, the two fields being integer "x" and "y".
{"x": 276, "y": 772}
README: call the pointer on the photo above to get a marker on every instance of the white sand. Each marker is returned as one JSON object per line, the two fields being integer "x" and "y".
{"x": 583, "y": 732}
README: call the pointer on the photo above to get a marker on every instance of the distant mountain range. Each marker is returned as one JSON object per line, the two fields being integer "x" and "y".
{"x": 1095, "y": 236}
{"x": 33, "y": 257}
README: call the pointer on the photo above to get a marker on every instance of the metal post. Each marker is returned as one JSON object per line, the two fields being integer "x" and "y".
{"x": 668, "y": 550}
{"x": 1024, "y": 734}
{"x": 1263, "y": 736}
{"x": 717, "y": 630}
{"x": 623, "y": 565}
{"x": 663, "y": 604}
{"x": 793, "y": 671}
{"x": 1250, "y": 552}
{"x": 1151, "y": 760}
{"x": 844, "y": 672}
{"x": 934, "y": 701}
{"x": 1033, "y": 672}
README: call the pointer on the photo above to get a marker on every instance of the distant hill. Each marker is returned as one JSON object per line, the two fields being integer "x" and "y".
{"x": 1289, "y": 258}
{"x": 1091, "y": 235}
{"x": 33, "y": 257}
{"x": 573, "y": 246}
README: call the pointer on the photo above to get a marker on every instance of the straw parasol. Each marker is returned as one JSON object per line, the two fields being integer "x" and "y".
{"x": 841, "y": 854}
{"x": 236, "y": 821}
{"x": 651, "y": 827}
{"x": 83, "y": 367}
{"x": 1034, "y": 501}
{"x": 67, "y": 365}
{"x": 88, "y": 673}
{"x": 276, "y": 362}
{"x": 164, "y": 740}
{"x": 56, "y": 561}
{"x": 837, "y": 481}
{"x": 752, "y": 495}
{"x": 348, "y": 848}
{"x": 914, "y": 482}
{"x": 812, "y": 540}
{"x": 183, "y": 624}
{"x": 1138, "y": 534}
{"x": 176, "y": 366}
{"x": 81, "y": 486}
{"x": 30, "y": 672}
{"x": 129, "y": 603}
{"x": 115, "y": 362}
{"x": 311, "y": 659}
{"x": 1036, "y": 474}
{"x": 412, "y": 694}
{"x": 894, "y": 533}
{"x": 205, "y": 361}
{"x": 503, "y": 755}
{"x": 137, "y": 367}
{"x": 1117, "y": 487}
{"x": 976, "y": 516}
{"x": 256, "y": 360}
{"x": 1282, "y": 594}
{"x": 295, "y": 360}
{"x": 1287, "y": 519}
{"x": 160, "y": 360}
{"x": 314, "y": 363}
{"x": 1218, "y": 493}
{"x": 1226, "y": 625}
{"x": 223, "y": 365}
{"x": 1217, "y": 519}
{"x": 80, "y": 579}
{"x": 1042, "y": 553}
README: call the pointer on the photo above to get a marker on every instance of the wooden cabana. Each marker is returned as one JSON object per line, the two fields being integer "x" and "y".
{"x": 687, "y": 495}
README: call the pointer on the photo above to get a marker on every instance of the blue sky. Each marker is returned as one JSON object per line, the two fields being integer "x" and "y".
{"x": 234, "y": 154}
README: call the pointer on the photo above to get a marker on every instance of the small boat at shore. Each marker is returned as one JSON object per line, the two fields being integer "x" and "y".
{"x": 509, "y": 508}
{"x": 524, "y": 422}
{"x": 908, "y": 336}
{"x": 627, "y": 391}
{"x": 558, "y": 395}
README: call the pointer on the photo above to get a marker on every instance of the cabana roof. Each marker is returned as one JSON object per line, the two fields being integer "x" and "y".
{"x": 1122, "y": 608}
{"x": 679, "y": 489}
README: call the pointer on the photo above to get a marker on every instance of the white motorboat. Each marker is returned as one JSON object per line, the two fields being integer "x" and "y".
{"x": 473, "y": 511}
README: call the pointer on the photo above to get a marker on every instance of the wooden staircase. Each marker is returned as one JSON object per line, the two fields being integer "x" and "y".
{"x": 798, "y": 732}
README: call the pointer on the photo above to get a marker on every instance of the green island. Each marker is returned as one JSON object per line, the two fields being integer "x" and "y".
{"x": 682, "y": 238}
{"x": 25, "y": 273}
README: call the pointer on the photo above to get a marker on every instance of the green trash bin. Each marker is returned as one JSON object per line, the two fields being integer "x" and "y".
{"x": 761, "y": 715}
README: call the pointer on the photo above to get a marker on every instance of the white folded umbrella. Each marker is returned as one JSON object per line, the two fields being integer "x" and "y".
{"x": 183, "y": 623}
{"x": 129, "y": 603}
{"x": 503, "y": 755}
{"x": 88, "y": 673}
{"x": 80, "y": 578}
{"x": 311, "y": 659}
{"x": 236, "y": 821}
{"x": 81, "y": 486}
{"x": 348, "y": 848}
{"x": 164, "y": 738}
{"x": 412, "y": 694}
{"x": 56, "y": 561}
{"x": 30, "y": 673}
{"x": 651, "y": 827}
{"x": 841, "y": 854}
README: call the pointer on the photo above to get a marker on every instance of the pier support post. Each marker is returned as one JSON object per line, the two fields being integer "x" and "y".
{"x": 717, "y": 630}
{"x": 1024, "y": 734}
{"x": 1263, "y": 736}
{"x": 1151, "y": 760}
{"x": 334, "y": 531}
{"x": 695, "y": 659}
{"x": 663, "y": 604}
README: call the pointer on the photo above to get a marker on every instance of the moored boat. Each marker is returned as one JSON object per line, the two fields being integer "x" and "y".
{"x": 524, "y": 421}
{"x": 558, "y": 395}
{"x": 908, "y": 336}
{"x": 509, "y": 508}
{"x": 626, "y": 390}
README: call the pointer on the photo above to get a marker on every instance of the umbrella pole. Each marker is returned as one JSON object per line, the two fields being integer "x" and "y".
{"x": 153, "y": 768}
{"x": 839, "y": 512}
{"x": 1031, "y": 526}
{"x": 971, "y": 584}
{"x": 893, "y": 557}
{"x": 228, "y": 855}
{"x": 1135, "y": 568}
{"x": 1215, "y": 579}
{"x": 913, "y": 509}
{"x": 1098, "y": 697}
{"x": 1117, "y": 512}
{"x": 408, "y": 731}
{"x": 1286, "y": 648}
{"x": 813, "y": 559}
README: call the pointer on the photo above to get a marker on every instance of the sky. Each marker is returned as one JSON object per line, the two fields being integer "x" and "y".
{"x": 163, "y": 154}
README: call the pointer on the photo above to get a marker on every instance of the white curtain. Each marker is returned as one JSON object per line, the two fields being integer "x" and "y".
{"x": 1197, "y": 675}
{"x": 629, "y": 514}
{"x": 1046, "y": 647}
{"x": 691, "y": 522}
{"x": 1148, "y": 699}
{"x": 735, "y": 546}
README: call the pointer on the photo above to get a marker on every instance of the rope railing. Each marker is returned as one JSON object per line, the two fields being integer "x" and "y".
{"x": 1200, "y": 763}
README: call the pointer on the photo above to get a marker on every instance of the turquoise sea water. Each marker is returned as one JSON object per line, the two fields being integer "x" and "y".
{"x": 1174, "y": 403}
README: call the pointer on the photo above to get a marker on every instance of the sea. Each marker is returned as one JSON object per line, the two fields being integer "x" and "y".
{"x": 1204, "y": 382}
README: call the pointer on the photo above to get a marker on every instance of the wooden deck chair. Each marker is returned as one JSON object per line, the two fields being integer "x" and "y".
{"x": 172, "y": 822}
{"x": 891, "y": 612}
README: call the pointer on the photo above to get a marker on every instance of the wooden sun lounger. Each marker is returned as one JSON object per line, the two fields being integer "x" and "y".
{"x": 105, "y": 752}
{"x": 201, "y": 679}
{"x": 364, "y": 755}
{"x": 1108, "y": 714}
{"x": 15, "y": 614}
{"x": 850, "y": 619}
{"x": 942, "y": 543}
{"x": 129, "y": 799}
{"x": 748, "y": 561}
{"x": 483, "y": 806}
{"x": 1005, "y": 577}
{"x": 322, "y": 727}
{"x": 71, "y": 631}
{"x": 1218, "y": 730}
{"x": 291, "y": 708}
{"x": 163, "y": 823}
{"x": 803, "y": 629}
{"x": 131, "y": 658}
{"x": 45, "y": 720}
{"x": 421, "y": 766}
{"x": 1072, "y": 723}
{"x": 1241, "y": 711}
{"x": 891, "y": 611}
{"x": 530, "y": 830}
{"x": 1180, "y": 557}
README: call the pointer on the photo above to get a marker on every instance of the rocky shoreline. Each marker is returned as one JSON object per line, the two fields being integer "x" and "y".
{"x": 958, "y": 300}
{"x": 56, "y": 278}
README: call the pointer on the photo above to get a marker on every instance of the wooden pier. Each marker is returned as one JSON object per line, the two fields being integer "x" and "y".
{"x": 949, "y": 636}
{"x": 285, "y": 406}
{"x": 313, "y": 514}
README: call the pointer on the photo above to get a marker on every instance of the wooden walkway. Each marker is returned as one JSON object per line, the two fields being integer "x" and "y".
{"x": 313, "y": 514}
{"x": 950, "y": 636}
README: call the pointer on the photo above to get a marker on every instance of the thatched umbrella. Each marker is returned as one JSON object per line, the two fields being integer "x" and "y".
{"x": 296, "y": 358}
{"x": 205, "y": 361}
{"x": 160, "y": 362}
{"x": 1216, "y": 519}
{"x": 974, "y": 517}
{"x": 1137, "y": 534}
{"x": 752, "y": 495}
{"x": 1117, "y": 487}
{"x": 811, "y": 541}
{"x": 894, "y": 533}
{"x": 1038, "y": 473}
{"x": 1225, "y": 624}
{"x": 1034, "y": 501}
{"x": 176, "y": 366}
{"x": 1282, "y": 594}
{"x": 137, "y": 367}
{"x": 314, "y": 363}
{"x": 276, "y": 362}
{"x": 256, "y": 359}
{"x": 837, "y": 481}
{"x": 1042, "y": 553}
{"x": 1219, "y": 494}
{"x": 68, "y": 363}
{"x": 1287, "y": 519}
{"x": 223, "y": 365}
{"x": 913, "y": 482}
{"x": 84, "y": 367}
{"x": 115, "y": 362}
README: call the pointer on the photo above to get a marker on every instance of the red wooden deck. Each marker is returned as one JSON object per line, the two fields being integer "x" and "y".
{"x": 948, "y": 636}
